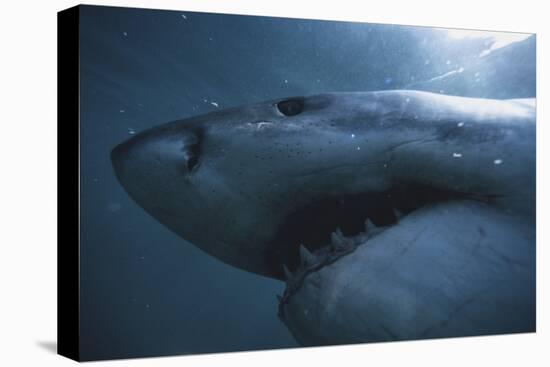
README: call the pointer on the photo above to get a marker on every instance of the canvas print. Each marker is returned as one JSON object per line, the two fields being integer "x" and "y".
{"x": 252, "y": 182}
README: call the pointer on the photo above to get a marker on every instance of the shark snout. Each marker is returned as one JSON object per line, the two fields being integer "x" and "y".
{"x": 119, "y": 155}
{"x": 156, "y": 157}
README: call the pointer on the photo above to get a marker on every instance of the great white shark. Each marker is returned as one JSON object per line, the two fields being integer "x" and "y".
{"x": 395, "y": 210}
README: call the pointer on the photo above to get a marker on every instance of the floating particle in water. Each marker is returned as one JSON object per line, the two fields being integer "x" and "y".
{"x": 125, "y": 34}
{"x": 388, "y": 80}
{"x": 286, "y": 81}
{"x": 358, "y": 148}
{"x": 460, "y": 124}
{"x": 457, "y": 155}
{"x": 460, "y": 69}
{"x": 210, "y": 38}
{"x": 318, "y": 80}
{"x": 427, "y": 62}
{"x": 353, "y": 135}
{"x": 184, "y": 16}
{"x": 96, "y": 179}
{"x": 408, "y": 100}
{"x": 122, "y": 111}
{"x": 448, "y": 62}
{"x": 142, "y": 257}
{"x": 497, "y": 161}
{"x": 215, "y": 104}
{"x": 441, "y": 91}
{"x": 147, "y": 305}
{"x": 114, "y": 207}
{"x": 131, "y": 131}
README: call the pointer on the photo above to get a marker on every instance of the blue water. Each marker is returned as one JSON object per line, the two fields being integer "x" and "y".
{"x": 146, "y": 291}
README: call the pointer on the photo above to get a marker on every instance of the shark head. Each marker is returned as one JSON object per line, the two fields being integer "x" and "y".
{"x": 249, "y": 185}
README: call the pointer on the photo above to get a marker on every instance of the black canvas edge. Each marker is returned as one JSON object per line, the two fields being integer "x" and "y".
{"x": 68, "y": 190}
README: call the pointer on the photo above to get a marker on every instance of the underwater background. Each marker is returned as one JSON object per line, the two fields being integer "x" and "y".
{"x": 145, "y": 291}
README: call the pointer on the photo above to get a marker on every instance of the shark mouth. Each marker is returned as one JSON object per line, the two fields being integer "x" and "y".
{"x": 333, "y": 226}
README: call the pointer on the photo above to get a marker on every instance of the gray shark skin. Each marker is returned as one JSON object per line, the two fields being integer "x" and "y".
{"x": 434, "y": 195}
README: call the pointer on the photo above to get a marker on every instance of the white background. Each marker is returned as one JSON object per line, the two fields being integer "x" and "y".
{"x": 28, "y": 182}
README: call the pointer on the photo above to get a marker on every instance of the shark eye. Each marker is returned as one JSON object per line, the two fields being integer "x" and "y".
{"x": 291, "y": 107}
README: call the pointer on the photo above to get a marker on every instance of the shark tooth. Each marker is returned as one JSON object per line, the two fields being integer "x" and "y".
{"x": 306, "y": 257}
{"x": 397, "y": 213}
{"x": 337, "y": 238}
{"x": 287, "y": 272}
{"x": 369, "y": 225}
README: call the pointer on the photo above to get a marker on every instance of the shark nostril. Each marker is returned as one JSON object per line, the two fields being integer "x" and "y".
{"x": 191, "y": 162}
{"x": 192, "y": 146}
